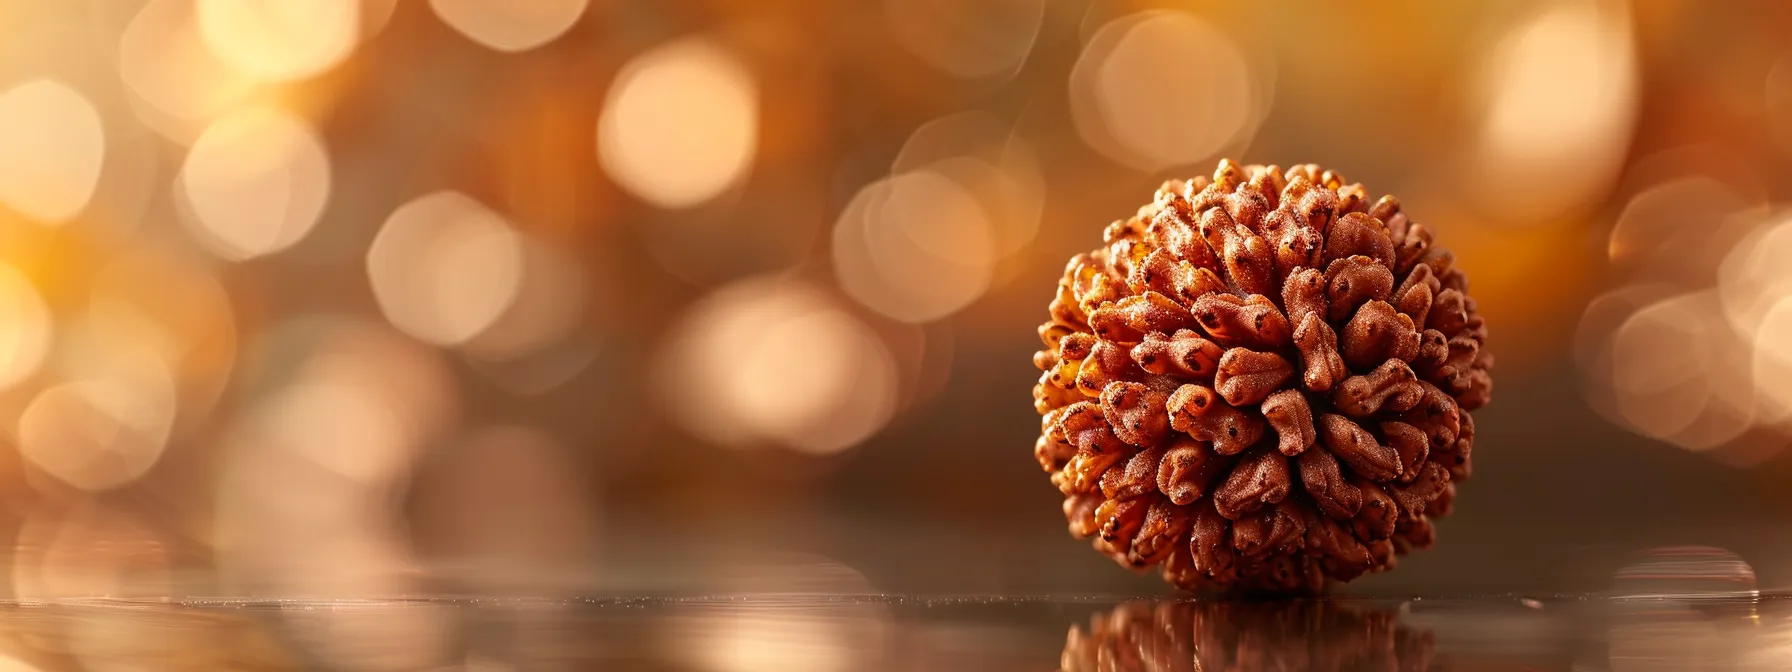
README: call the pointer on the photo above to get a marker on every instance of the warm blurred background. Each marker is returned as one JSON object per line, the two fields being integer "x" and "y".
{"x": 364, "y": 298}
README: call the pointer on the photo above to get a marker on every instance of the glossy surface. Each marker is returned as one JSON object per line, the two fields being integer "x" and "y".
{"x": 875, "y": 632}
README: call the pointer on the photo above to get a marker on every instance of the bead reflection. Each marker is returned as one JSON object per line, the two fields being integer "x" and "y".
{"x": 1189, "y": 636}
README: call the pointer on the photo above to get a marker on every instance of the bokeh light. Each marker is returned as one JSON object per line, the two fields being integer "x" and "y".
{"x": 25, "y": 327}
{"x": 1592, "y": 345}
{"x": 346, "y": 427}
{"x": 916, "y": 247}
{"x": 303, "y": 506}
{"x": 1755, "y": 276}
{"x": 772, "y": 635}
{"x": 1659, "y": 224}
{"x": 98, "y": 434}
{"x": 179, "y": 81}
{"x": 1165, "y": 88}
{"x": 444, "y": 267}
{"x": 1755, "y": 285}
{"x": 968, "y": 39}
{"x": 256, "y": 182}
{"x": 1560, "y": 94}
{"x": 549, "y": 333}
{"x": 680, "y": 124}
{"x": 769, "y": 360}
{"x": 1677, "y": 373}
{"x": 548, "y": 307}
{"x": 359, "y": 404}
{"x": 989, "y": 160}
{"x": 506, "y": 25}
{"x": 162, "y": 310}
{"x": 1690, "y": 350}
{"x": 278, "y": 40}
{"x": 778, "y": 639}
{"x": 1773, "y": 356}
{"x": 108, "y": 408}
{"x": 54, "y": 147}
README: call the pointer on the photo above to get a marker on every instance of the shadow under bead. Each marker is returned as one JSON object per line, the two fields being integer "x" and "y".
{"x": 1261, "y": 382}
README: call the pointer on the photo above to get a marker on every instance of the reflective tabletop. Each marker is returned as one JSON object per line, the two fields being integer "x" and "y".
{"x": 819, "y": 632}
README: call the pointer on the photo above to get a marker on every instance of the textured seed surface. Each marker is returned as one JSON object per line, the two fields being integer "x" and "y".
{"x": 1261, "y": 381}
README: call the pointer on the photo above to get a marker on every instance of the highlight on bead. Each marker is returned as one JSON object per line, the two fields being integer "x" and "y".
{"x": 1261, "y": 381}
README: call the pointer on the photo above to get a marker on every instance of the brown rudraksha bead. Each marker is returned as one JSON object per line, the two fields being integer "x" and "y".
{"x": 1261, "y": 381}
